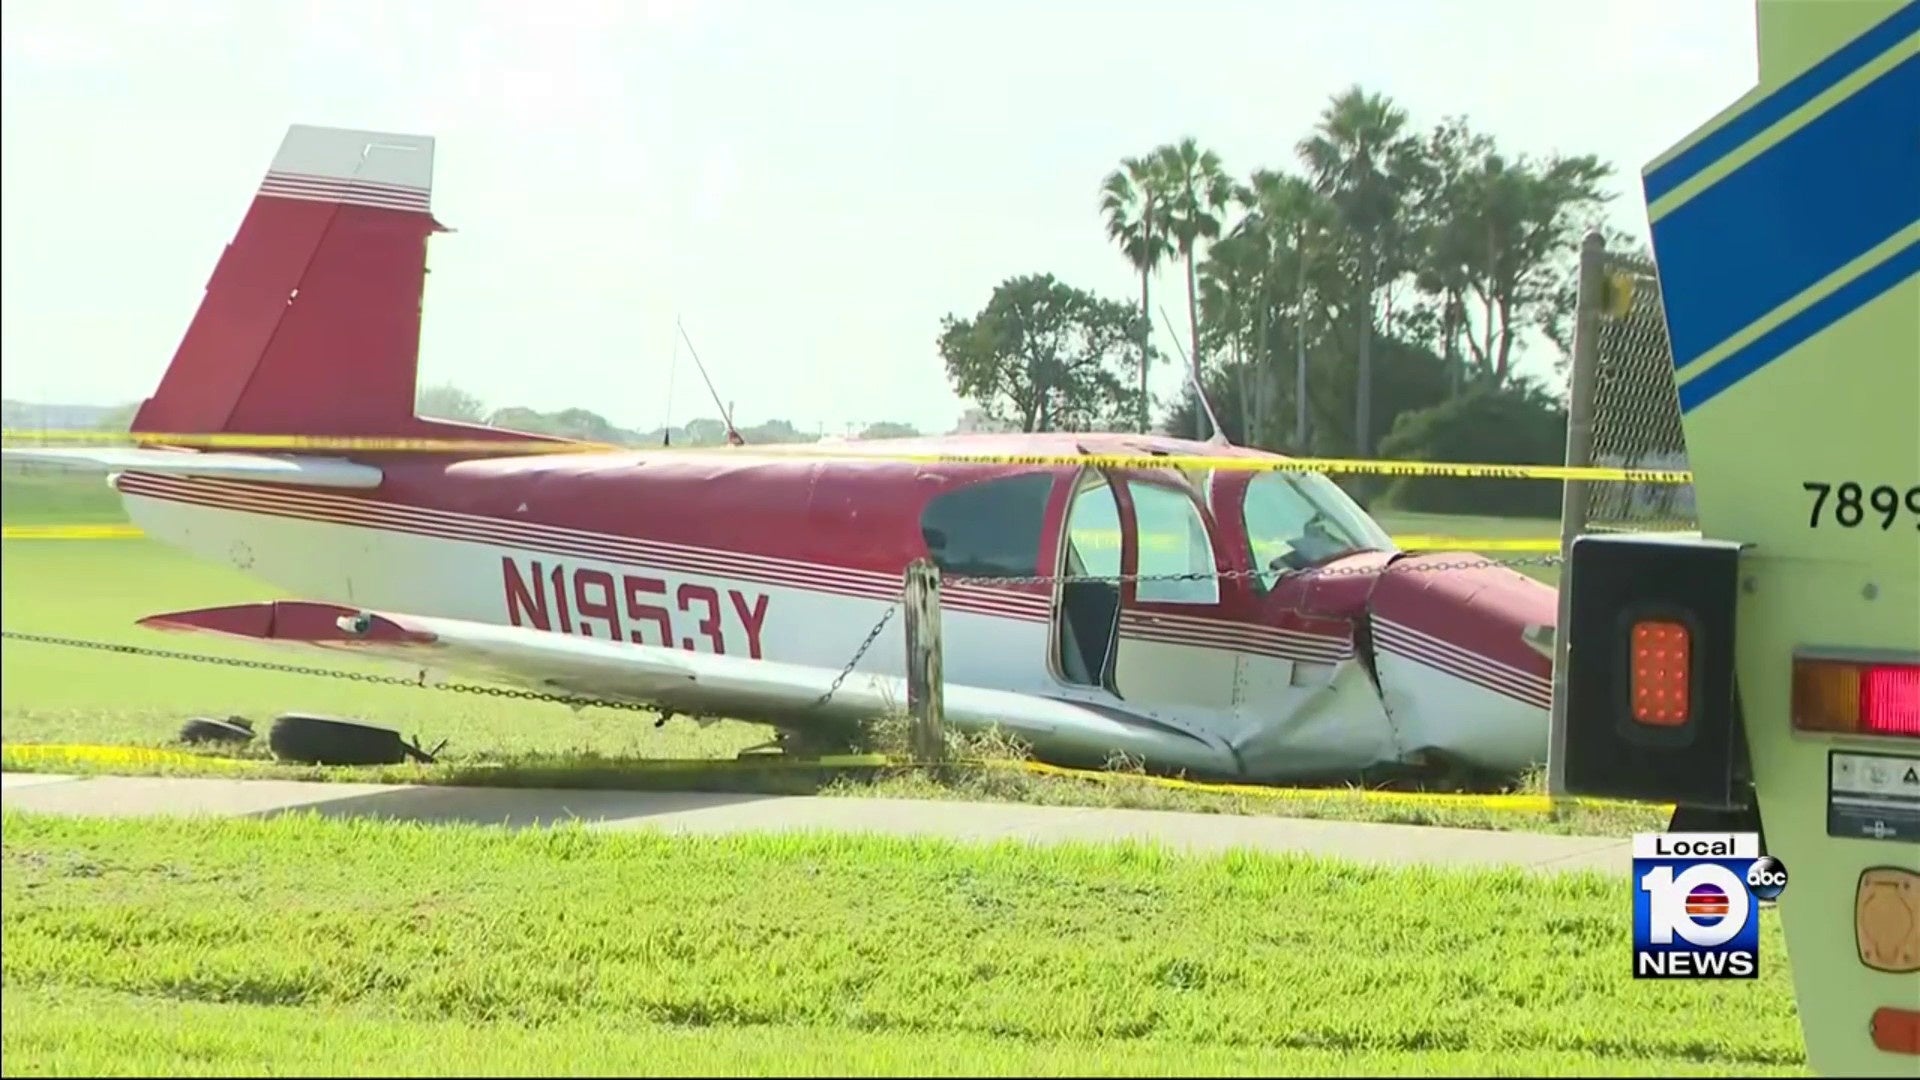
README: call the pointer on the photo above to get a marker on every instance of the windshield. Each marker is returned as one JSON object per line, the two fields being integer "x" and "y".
{"x": 1298, "y": 520}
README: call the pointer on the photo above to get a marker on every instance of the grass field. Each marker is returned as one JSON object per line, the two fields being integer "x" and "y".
{"x": 95, "y": 589}
{"x": 310, "y": 945}
{"x": 48, "y": 497}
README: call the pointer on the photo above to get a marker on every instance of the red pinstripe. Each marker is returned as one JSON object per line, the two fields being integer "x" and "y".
{"x": 360, "y": 512}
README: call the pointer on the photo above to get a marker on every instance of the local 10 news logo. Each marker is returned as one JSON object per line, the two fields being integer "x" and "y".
{"x": 1696, "y": 904}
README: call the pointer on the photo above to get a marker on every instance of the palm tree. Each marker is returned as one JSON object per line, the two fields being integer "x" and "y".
{"x": 1446, "y": 228}
{"x": 1234, "y": 305}
{"x": 1298, "y": 223}
{"x": 1358, "y": 157}
{"x": 1198, "y": 191}
{"x": 1130, "y": 198}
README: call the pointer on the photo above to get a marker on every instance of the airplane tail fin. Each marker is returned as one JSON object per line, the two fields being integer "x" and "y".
{"x": 310, "y": 324}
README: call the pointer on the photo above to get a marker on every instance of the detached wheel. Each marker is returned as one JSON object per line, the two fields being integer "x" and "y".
{"x": 202, "y": 729}
{"x": 323, "y": 740}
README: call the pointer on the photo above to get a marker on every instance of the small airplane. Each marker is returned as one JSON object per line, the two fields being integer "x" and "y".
{"x": 1228, "y": 623}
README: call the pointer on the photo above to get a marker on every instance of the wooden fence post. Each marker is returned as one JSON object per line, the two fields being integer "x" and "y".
{"x": 925, "y": 682}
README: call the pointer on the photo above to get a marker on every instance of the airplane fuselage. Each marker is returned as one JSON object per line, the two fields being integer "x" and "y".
{"x": 795, "y": 560}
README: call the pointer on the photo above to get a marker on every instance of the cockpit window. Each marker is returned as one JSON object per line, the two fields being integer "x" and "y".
{"x": 1173, "y": 543}
{"x": 989, "y": 529}
{"x": 1296, "y": 521}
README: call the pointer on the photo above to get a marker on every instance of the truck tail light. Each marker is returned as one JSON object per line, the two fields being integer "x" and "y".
{"x": 1660, "y": 680}
{"x": 1856, "y": 697}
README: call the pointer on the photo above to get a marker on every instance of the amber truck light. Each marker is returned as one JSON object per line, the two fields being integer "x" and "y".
{"x": 1856, "y": 697}
{"x": 1662, "y": 657}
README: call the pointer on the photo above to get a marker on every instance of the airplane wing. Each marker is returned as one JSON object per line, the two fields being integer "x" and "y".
{"x": 266, "y": 468}
{"x": 702, "y": 684}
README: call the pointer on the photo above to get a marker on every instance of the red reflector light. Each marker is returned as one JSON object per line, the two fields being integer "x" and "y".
{"x": 1662, "y": 658}
{"x": 1890, "y": 699}
{"x": 1897, "y": 1031}
{"x": 1856, "y": 697}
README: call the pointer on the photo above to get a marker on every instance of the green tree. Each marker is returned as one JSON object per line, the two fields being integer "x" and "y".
{"x": 1045, "y": 356}
{"x": 1499, "y": 242}
{"x": 1198, "y": 193}
{"x": 581, "y": 424}
{"x": 118, "y": 419}
{"x": 1517, "y": 423}
{"x": 888, "y": 429}
{"x": 1411, "y": 377}
{"x": 1236, "y": 307}
{"x": 771, "y": 433}
{"x": 705, "y": 431}
{"x": 446, "y": 401}
{"x": 1444, "y": 233}
{"x": 1132, "y": 203}
{"x": 1294, "y": 228}
{"x": 1360, "y": 158}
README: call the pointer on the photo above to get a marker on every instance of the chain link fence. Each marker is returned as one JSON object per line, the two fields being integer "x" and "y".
{"x": 1632, "y": 402}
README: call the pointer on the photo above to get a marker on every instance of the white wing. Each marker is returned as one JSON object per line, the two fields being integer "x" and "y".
{"x": 785, "y": 695}
{"x": 288, "y": 469}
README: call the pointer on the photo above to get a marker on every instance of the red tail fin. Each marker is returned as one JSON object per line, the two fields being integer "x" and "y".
{"x": 311, "y": 321}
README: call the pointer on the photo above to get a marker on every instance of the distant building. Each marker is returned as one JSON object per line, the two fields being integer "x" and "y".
{"x": 976, "y": 421}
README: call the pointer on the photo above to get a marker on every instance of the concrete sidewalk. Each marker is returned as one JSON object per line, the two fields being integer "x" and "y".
{"x": 126, "y": 796}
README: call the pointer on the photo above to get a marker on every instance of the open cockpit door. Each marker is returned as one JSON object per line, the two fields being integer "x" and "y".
{"x": 1087, "y": 603}
{"x": 1180, "y": 635}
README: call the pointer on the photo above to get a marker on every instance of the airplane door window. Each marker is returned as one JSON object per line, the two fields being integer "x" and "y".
{"x": 1173, "y": 540}
{"x": 1093, "y": 532}
{"x": 1089, "y": 623}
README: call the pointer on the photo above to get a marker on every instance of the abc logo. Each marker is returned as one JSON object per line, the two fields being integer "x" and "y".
{"x": 1767, "y": 877}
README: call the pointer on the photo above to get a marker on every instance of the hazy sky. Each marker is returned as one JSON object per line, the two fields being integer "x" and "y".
{"x": 809, "y": 185}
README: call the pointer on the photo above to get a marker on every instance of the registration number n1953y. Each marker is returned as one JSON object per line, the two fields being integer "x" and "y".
{"x": 639, "y": 608}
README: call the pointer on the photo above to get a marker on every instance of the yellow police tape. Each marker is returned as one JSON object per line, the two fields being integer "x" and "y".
{"x": 15, "y": 754}
{"x": 71, "y": 532}
{"x": 1226, "y": 463}
{"x": 1406, "y": 543}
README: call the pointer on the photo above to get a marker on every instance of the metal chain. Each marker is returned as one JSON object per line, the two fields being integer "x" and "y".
{"x": 872, "y": 636}
{"x": 330, "y": 673}
{"x": 1231, "y": 575}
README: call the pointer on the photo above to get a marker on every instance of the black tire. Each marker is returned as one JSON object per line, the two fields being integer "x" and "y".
{"x": 320, "y": 740}
{"x": 202, "y": 729}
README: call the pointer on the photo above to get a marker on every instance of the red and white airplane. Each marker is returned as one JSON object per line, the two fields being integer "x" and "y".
{"x": 738, "y": 581}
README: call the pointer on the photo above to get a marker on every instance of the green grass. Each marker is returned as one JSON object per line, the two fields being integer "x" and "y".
{"x": 1403, "y": 523}
{"x": 1398, "y": 523}
{"x": 44, "y": 496}
{"x": 308, "y": 945}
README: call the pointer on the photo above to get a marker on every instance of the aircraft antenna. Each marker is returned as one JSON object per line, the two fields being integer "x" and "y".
{"x": 673, "y": 365}
{"x": 1219, "y": 436}
{"x": 726, "y": 415}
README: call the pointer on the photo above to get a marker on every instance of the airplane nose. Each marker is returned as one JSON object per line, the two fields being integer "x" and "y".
{"x": 1459, "y": 652}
